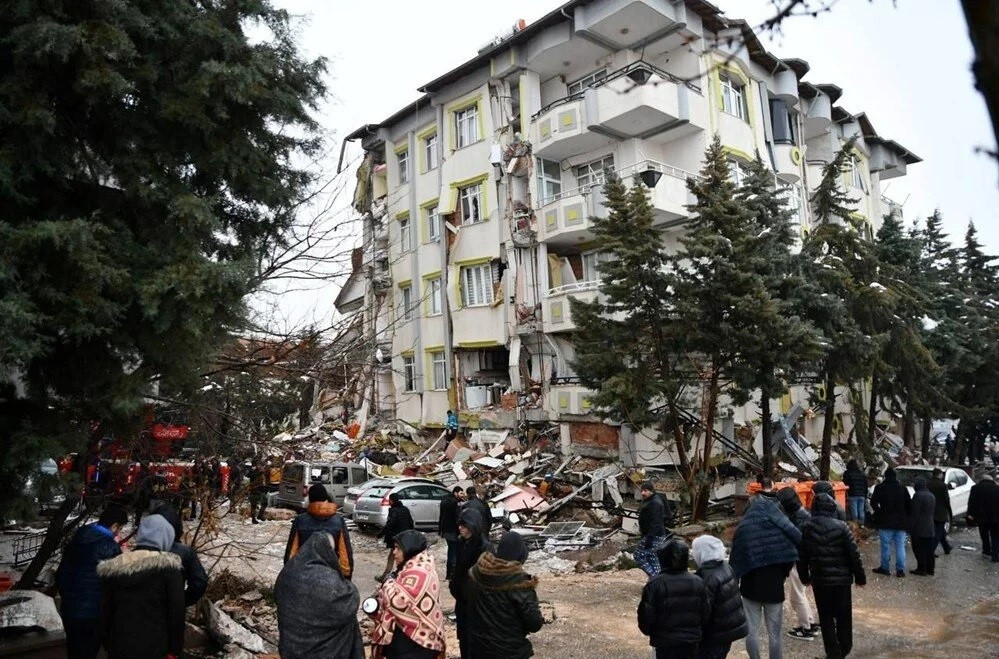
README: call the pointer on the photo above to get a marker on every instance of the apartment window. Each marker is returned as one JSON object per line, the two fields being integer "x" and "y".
{"x": 430, "y": 151}
{"x": 466, "y": 125}
{"x": 434, "y": 296}
{"x": 549, "y": 179}
{"x": 737, "y": 171}
{"x": 781, "y": 121}
{"x": 477, "y": 285}
{"x": 409, "y": 373}
{"x": 470, "y": 198}
{"x": 440, "y": 370}
{"x": 433, "y": 223}
{"x": 856, "y": 171}
{"x": 594, "y": 172}
{"x": 406, "y": 234}
{"x": 403, "y": 157}
{"x": 733, "y": 96}
{"x": 591, "y": 265}
{"x": 792, "y": 198}
{"x": 579, "y": 86}
{"x": 406, "y": 293}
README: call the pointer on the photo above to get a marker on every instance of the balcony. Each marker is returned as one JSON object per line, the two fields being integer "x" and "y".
{"x": 565, "y": 218}
{"x": 661, "y": 109}
{"x": 557, "y": 315}
{"x": 787, "y": 158}
{"x": 569, "y": 397}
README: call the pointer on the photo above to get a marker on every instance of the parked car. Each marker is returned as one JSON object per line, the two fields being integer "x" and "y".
{"x": 354, "y": 493}
{"x": 957, "y": 480}
{"x": 422, "y": 497}
{"x": 44, "y": 486}
{"x": 298, "y": 477}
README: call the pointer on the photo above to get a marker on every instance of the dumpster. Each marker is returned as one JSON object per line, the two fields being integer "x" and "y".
{"x": 804, "y": 490}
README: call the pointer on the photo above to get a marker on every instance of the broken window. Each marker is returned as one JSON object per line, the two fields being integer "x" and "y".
{"x": 470, "y": 198}
{"x": 477, "y": 285}
{"x": 409, "y": 373}
{"x": 466, "y": 126}
{"x": 594, "y": 172}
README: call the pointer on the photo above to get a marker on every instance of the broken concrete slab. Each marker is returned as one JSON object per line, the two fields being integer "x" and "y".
{"x": 227, "y": 631}
{"x": 28, "y": 610}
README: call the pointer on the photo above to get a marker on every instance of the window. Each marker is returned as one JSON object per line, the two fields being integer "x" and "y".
{"x": 403, "y": 157}
{"x": 470, "y": 198}
{"x": 733, "y": 98}
{"x": 409, "y": 373}
{"x": 440, "y": 370}
{"x": 434, "y": 295}
{"x": 857, "y": 173}
{"x": 792, "y": 198}
{"x": 591, "y": 265}
{"x": 466, "y": 126}
{"x": 430, "y": 151}
{"x": 579, "y": 86}
{"x": 406, "y": 239}
{"x": 433, "y": 223}
{"x": 407, "y": 302}
{"x": 339, "y": 475}
{"x": 737, "y": 171}
{"x": 781, "y": 121}
{"x": 477, "y": 285}
{"x": 594, "y": 172}
{"x": 549, "y": 179}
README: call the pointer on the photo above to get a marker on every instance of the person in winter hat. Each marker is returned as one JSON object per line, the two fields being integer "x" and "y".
{"x": 399, "y": 520}
{"x": 807, "y": 628}
{"x": 983, "y": 510}
{"x": 195, "y": 577}
{"x": 856, "y": 495}
{"x": 825, "y": 487}
{"x": 317, "y": 605}
{"x": 409, "y": 623}
{"x": 924, "y": 534}
{"x": 654, "y": 518}
{"x": 891, "y": 506}
{"x": 321, "y": 516}
{"x": 674, "y": 609}
{"x": 502, "y": 602}
{"x": 727, "y": 622}
{"x": 471, "y": 545}
{"x": 142, "y": 609}
{"x": 79, "y": 586}
{"x": 830, "y": 562}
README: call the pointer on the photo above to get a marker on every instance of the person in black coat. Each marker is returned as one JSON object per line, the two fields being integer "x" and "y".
{"x": 195, "y": 577}
{"x": 924, "y": 534}
{"x": 447, "y": 525}
{"x": 142, "y": 593}
{"x": 807, "y": 628}
{"x": 856, "y": 495}
{"x": 983, "y": 510}
{"x": 475, "y": 503}
{"x": 399, "y": 520}
{"x": 891, "y": 506}
{"x": 674, "y": 609}
{"x": 830, "y": 561}
{"x": 79, "y": 587}
{"x": 727, "y": 623}
{"x": 825, "y": 487}
{"x": 471, "y": 545}
{"x": 502, "y": 602}
{"x": 942, "y": 515}
{"x": 654, "y": 518}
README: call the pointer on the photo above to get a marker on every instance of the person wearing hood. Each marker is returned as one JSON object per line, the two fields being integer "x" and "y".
{"x": 654, "y": 516}
{"x": 321, "y": 515}
{"x": 807, "y": 628}
{"x": 825, "y": 487}
{"x": 924, "y": 534}
{"x": 503, "y": 602}
{"x": 891, "y": 506}
{"x": 471, "y": 545}
{"x": 764, "y": 549}
{"x": 942, "y": 515}
{"x": 79, "y": 586}
{"x": 409, "y": 623}
{"x": 830, "y": 562}
{"x": 142, "y": 607}
{"x": 674, "y": 609}
{"x": 856, "y": 495}
{"x": 983, "y": 510}
{"x": 317, "y": 605}
{"x": 727, "y": 622}
{"x": 195, "y": 577}
{"x": 399, "y": 520}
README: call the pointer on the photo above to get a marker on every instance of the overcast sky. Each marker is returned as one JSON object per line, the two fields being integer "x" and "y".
{"x": 906, "y": 66}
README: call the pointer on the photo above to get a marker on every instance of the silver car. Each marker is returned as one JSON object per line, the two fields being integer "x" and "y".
{"x": 422, "y": 497}
{"x": 354, "y": 493}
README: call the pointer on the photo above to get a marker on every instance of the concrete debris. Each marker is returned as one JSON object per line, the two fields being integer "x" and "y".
{"x": 23, "y": 611}
{"x": 227, "y": 631}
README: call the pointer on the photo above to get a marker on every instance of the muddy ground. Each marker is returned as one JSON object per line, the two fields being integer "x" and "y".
{"x": 954, "y": 614}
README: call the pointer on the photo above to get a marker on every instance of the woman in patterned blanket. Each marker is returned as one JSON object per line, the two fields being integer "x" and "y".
{"x": 409, "y": 620}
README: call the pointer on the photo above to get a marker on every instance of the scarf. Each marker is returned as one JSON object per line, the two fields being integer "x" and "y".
{"x": 411, "y": 602}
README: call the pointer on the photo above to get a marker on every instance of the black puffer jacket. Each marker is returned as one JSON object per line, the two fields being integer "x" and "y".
{"x": 468, "y": 552}
{"x": 503, "y": 604}
{"x": 825, "y": 487}
{"x": 983, "y": 502}
{"x": 728, "y": 618}
{"x": 195, "y": 577}
{"x": 447, "y": 525}
{"x": 855, "y": 480}
{"x": 791, "y": 504}
{"x": 674, "y": 609}
{"x": 479, "y": 506}
{"x": 399, "y": 520}
{"x": 654, "y": 516}
{"x": 941, "y": 493}
{"x": 829, "y": 554}
{"x": 76, "y": 577}
{"x": 891, "y": 503}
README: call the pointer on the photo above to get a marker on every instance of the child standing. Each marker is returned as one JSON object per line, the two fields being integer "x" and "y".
{"x": 674, "y": 607}
{"x": 727, "y": 623}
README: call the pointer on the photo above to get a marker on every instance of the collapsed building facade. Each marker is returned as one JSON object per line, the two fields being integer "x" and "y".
{"x": 476, "y": 202}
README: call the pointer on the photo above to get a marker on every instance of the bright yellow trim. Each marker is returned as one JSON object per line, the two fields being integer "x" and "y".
{"x": 484, "y": 205}
{"x": 434, "y": 348}
{"x": 402, "y": 215}
{"x": 463, "y": 104}
{"x": 478, "y": 344}
{"x": 404, "y": 283}
{"x": 467, "y": 263}
{"x": 741, "y": 155}
{"x": 431, "y": 275}
{"x": 426, "y": 132}
{"x": 401, "y": 146}
{"x": 429, "y": 203}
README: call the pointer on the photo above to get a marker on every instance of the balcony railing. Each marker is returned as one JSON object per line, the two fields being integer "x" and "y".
{"x": 575, "y": 287}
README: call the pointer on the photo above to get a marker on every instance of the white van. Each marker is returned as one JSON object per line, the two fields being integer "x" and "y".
{"x": 336, "y": 477}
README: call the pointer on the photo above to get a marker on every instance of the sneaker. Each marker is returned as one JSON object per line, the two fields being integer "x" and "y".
{"x": 881, "y": 570}
{"x": 900, "y": 573}
{"x": 801, "y": 634}
{"x": 815, "y": 629}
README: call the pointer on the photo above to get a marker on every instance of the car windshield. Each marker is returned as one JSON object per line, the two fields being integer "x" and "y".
{"x": 908, "y": 477}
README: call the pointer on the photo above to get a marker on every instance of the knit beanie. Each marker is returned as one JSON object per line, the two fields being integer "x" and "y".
{"x": 318, "y": 493}
{"x": 647, "y": 485}
{"x": 511, "y": 547}
{"x": 155, "y": 532}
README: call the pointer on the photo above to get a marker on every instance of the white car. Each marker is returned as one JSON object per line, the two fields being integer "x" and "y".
{"x": 956, "y": 479}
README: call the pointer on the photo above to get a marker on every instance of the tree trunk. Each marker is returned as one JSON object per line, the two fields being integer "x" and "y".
{"x": 53, "y": 538}
{"x": 827, "y": 425}
{"x": 983, "y": 25}
{"x": 708, "y": 411}
{"x": 924, "y": 442}
{"x": 909, "y": 420}
{"x": 766, "y": 427}
{"x": 681, "y": 449}
{"x": 872, "y": 417}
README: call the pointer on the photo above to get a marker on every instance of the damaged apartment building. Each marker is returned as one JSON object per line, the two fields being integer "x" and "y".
{"x": 477, "y": 198}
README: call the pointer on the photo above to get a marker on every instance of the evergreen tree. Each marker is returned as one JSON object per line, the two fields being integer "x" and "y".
{"x": 151, "y": 158}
